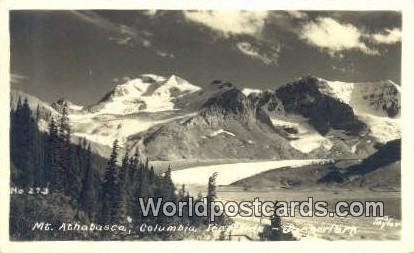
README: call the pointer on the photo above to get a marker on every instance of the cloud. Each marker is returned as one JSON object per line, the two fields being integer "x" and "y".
{"x": 230, "y": 22}
{"x": 240, "y": 24}
{"x": 256, "y": 52}
{"x": 334, "y": 37}
{"x": 297, "y": 14}
{"x": 93, "y": 18}
{"x": 123, "y": 35}
{"x": 165, "y": 54}
{"x": 343, "y": 67}
{"x": 131, "y": 42}
{"x": 387, "y": 37}
{"x": 17, "y": 78}
{"x": 121, "y": 41}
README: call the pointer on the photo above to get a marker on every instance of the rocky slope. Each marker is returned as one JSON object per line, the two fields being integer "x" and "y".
{"x": 381, "y": 169}
{"x": 227, "y": 126}
{"x": 169, "y": 119}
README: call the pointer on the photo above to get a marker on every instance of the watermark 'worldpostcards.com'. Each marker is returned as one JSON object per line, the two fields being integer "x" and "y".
{"x": 258, "y": 208}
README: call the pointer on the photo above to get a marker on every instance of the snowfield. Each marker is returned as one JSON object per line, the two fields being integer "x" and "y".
{"x": 309, "y": 142}
{"x": 283, "y": 123}
{"x": 384, "y": 129}
{"x": 149, "y": 93}
{"x": 230, "y": 173}
{"x": 308, "y": 139}
{"x": 130, "y": 108}
{"x": 340, "y": 90}
{"x": 104, "y": 129}
{"x": 357, "y": 95}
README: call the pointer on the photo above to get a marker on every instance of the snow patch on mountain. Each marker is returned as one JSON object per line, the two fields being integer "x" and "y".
{"x": 104, "y": 129}
{"x": 221, "y": 131}
{"x": 376, "y": 104}
{"x": 395, "y": 85}
{"x": 382, "y": 128}
{"x": 75, "y": 107}
{"x": 368, "y": 97}
{"x": 283, "y": 123}
{"x": 307, "y": 138}
{"x": 375, "y": 98}
{"x": 311, "y": 141}
{"x": 105, "y": 132}
{"x": 339, "y": 90}
{"x": 248, "y": 91}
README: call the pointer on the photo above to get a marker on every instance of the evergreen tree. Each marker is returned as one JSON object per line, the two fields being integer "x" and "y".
{"x": 211, "y": 187}
{"x": 52, "y": 168}
{"x": 111, "y": 189}
{"x": 65, "y": 151}
{"x": 64, "y": 128}
{"x": 133, "y": 188}
{"x": 73, "y": 176}
{"x": 88, "y": 195}
{"x": 143, "y": 180}
{"x": 123, "y": 175}
{"x": 123, "y": 188}
{"x": 168, "y": 186}
{"x": 25, "y": 158}
{"x": 151, "y": 175}
{"x": 132, "y": 169}
{"x": 166, "y": 190}
{"x": 76, "y": 171}
{"x": 16, "y": 142}
{"x": 39, "y": 154}
{"x": 211, "y": 191}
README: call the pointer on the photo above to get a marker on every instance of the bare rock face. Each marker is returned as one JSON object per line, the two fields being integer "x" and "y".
{"x": 228, "y": 126}
{"x": 268, "y": 102}
{"x": 231, "y": 105}
{"x": 385, "y": 98}
{"x": 371, "y": 170}
{"x": 324, "y": 112}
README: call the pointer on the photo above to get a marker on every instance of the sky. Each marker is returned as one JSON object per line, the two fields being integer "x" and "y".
{"x": 80, "y": 55}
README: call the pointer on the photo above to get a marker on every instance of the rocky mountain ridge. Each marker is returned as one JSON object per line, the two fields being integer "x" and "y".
{"x": 169, "y": 118}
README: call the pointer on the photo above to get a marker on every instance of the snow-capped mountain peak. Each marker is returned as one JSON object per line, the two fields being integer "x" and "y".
{"x": 377, "y": 104}
{"x": 175, "y": 87}
{"x": 380, "y": 98}
{"x": 147, "y": 93}
{"x": 340, "y": 90}
{"x": 133, "y": 106}
{"x": 130, "y": 89}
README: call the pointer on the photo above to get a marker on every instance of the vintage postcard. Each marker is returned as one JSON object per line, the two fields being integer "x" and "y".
{"x": 218, "y": 125}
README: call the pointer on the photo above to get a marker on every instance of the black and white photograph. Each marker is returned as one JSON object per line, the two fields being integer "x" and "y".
{"x": 205, "y": 125}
